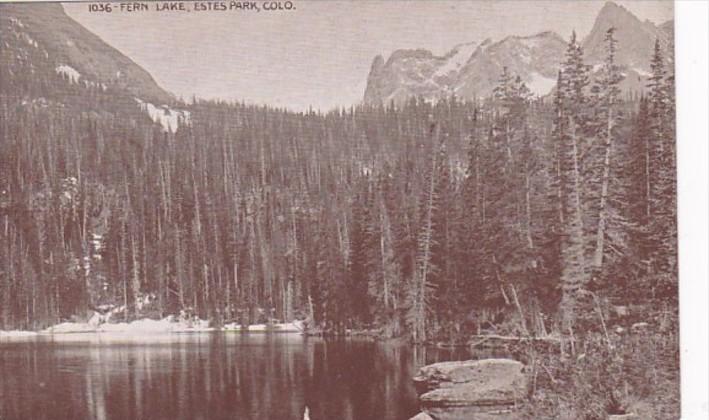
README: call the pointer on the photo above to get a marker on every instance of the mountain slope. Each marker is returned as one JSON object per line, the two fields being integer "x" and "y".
{"x": 636, "y": 39}
{"x": 468, "y": 70}
{"x": 532, "y": 58}
{"x": 416, "y": 72}
{"x": 471, "y": 70}
{"x": 49, "y": 58}
{"x": 636, "y": 43}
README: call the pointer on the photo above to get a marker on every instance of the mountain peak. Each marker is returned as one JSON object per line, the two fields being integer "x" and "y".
{"x": 377, "y": 64}
{"x": 411, "y": 53}
{"x": 70, "y": 45}
{"x": 472, "y": 71}
{"x": 541, "y": 37}
{"x": 635, "y": 37}
{"x": 613, "y": 15}
{"x": 468, "y": 70}
{"x": 51, "y": 60}
{"x": 612, "y": 7}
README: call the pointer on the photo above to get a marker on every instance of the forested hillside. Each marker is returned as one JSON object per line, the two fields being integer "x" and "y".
{"x": 425, "y": 220}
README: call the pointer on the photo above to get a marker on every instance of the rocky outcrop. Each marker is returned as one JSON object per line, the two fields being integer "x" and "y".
{"x": 468, "y": 70}
{"x": 472, "y": 70}
{"x": 77, "y": 52}
{"x": 490, "y": 389}
{"x": 636, "y": 38}
{"x": 636, "y": 43}
{"x": 75, "y": 70}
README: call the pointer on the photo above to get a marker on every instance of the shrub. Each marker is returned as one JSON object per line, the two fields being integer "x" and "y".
{"x": 636, "y": 372}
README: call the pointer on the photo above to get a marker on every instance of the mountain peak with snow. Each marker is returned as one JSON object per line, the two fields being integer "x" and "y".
{"x": 70, "y": 44}
{"x": 472, "y": 70}
{"x": 41, "y": 41}
{"x": 468, "y": 70}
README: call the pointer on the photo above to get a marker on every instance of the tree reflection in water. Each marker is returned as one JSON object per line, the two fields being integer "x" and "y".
{"x": 209, "y": 376}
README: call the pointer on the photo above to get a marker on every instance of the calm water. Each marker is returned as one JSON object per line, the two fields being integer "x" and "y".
{"x": 209, "y": 376}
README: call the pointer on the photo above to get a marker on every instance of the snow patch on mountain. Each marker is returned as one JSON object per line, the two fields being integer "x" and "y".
{"x": 90, "y": 84}
{"x": 540, "y": 85}
{"x": 167, "y": 117}
{"x": 530, "y": 42}
{"x": 469, "y": 70}
{"x": 642, "y": 72}
{"x": 69, "y": 72}
{"x": 459, "y": 57}
{"x": 472, "y": 71}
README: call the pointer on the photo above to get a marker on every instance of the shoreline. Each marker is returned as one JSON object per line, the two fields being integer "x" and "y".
{"x": 166, "y": 325}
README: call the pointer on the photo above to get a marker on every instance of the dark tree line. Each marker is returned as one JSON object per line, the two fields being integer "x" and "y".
{"x": 428, "y": 219}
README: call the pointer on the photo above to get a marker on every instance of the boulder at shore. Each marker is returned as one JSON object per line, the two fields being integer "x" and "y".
{"x": 472, "y": 390}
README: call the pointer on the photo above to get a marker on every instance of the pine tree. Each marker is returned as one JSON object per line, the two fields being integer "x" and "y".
{"x": 662, "y": 171}
{"x": 385, "y": 284}
{"x": 422, "y": 288}
{"x": 572, "y": 110}
{"x": 607, "y": 91}
{"x": 361, "y": 241}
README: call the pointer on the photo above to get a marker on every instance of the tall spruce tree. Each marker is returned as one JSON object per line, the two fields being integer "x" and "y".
{"x": 573, "y": 111}
{"x": 607, "y": 92}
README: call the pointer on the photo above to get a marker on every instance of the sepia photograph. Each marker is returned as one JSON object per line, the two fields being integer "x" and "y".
{"x": 341, "y": 210}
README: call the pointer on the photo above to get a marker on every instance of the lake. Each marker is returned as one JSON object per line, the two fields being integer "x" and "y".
{"x": 209, "y": 376}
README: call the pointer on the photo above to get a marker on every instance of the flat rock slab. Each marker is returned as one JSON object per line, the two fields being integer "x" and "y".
{"x": 476, "y": 394}
{"x": 486, "y": 371}
{"x": 470, "y": 413}
{"x": 489, "y": 389}
{"x": 421, "y": 416}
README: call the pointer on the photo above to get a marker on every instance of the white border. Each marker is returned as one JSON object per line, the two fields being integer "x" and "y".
{"x": 691, "y": 22}
{"x": 691, "y": 49}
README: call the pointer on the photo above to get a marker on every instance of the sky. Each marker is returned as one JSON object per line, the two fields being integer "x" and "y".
{"x": 320, "y": 54}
